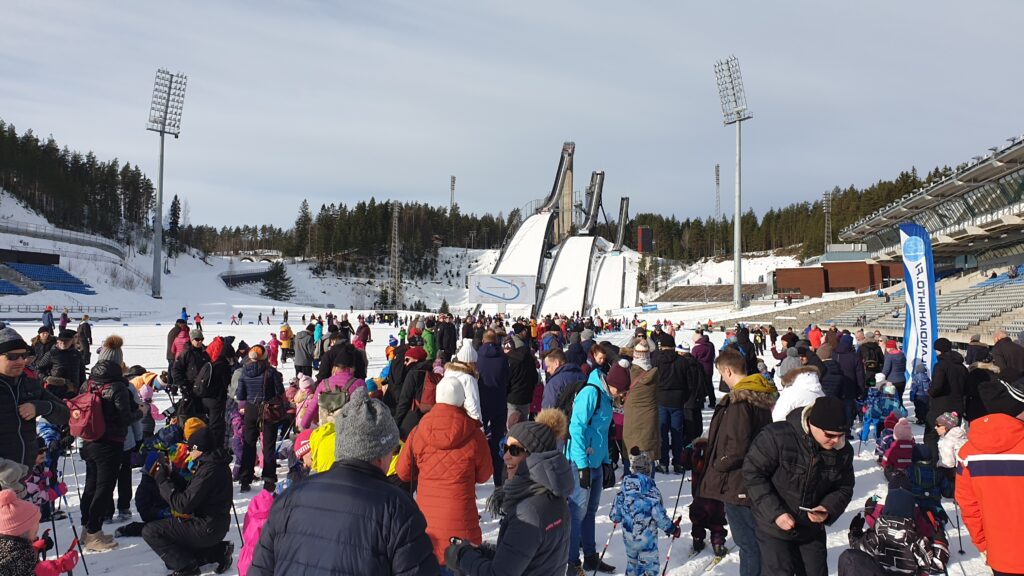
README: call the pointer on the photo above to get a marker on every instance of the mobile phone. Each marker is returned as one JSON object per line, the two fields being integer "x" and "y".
{"x": 805, "y": 509}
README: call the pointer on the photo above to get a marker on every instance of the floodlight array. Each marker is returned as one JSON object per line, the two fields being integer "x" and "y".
{"x": 168, "y": 101}
{"x": 730, "y": 91}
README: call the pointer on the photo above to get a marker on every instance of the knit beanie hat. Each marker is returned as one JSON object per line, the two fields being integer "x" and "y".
{"x": 902, "y": 431}
{"x": 364, "y": 429}
{"x": 302, "y": 446}
{"x": 824, "y": 351}
{"x": 392, "y": 341}
{"x": 17, "y": 517}
{"x": 449, "y": 391}
{"x": 587, "y": 334}
{"x": 943, "y": 345}
{"x": 618, "y": 376}
{"x": 11, "y": 340}
{"x": 257, "y": 352}
{"x": 890, "y": 421}
{"x": 948, "y": 420}
{"x": 640, "y": 462}
{"x": 305, "y": 382}
{"x": 201, "y": 439}
{"x": 146, "y": 392}
{"x": 666, "y": 340}
{"x": 111, "y": 350}
{"x": 192, "y": 425}
{"x": 467, "y": 354}
{"x": 417, "y": 353}
{"x": 829, "y": 414}
{"x": 792, "y": 352}
{"x": 533, "y": 436}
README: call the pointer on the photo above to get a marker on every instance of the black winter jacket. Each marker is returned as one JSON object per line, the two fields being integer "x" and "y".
{"x": 447, "y": 337}
{"x": 66, "y": 364}
{"x": 220, "y": 380}
{"x": 744, "y": 346}
{"x": 187, "y": 367}
{"x": 522, "y": 375}
{"x": 832, "y": 381}
{"x": 406, "y": 415}
{"x": 785, "y": 469}
{"x": 1009, "y": 356}
{"x": 739, "y": 417}
{"x": 119, "y": 408}
{"x": 327, "y": 361}
{"x": 949, "y": 386}
{"x": 207, "y": 497}
{"x": 492, "y": 365}
{"x": 348, "y": 520}
{"x": 17, "y": 436}
{"x": 258, "y": 382}
{"x": 533, "y": 537}
{"x": 673, "y": 383}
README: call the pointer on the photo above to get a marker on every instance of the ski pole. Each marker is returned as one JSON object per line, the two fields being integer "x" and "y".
{"x": 678, "y": 494}
{"x": 606, "y": 543}
{"x": 74, "y": 531}
{"x": 668, "y": 556}
{"x": 958, "y": 537}
{"x": 78, "y": 489}
{"x": 237, "y": 525}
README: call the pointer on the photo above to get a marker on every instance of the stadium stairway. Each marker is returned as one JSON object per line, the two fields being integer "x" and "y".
{"x": 19, "y": 280}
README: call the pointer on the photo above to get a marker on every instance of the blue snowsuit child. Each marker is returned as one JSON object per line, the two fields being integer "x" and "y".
{"x": 639, "y": 509}
{"x": 919, "y": 391}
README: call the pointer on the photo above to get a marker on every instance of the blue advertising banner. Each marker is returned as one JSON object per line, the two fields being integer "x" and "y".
{"x": 919, "y": 331}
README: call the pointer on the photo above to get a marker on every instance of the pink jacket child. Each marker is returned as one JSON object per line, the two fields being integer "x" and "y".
{"x": 180, "y": 343}
{"x": 343, "y": 380}
{"x": 255, "y": 518}
{"x": 272, "y": 348}
{"x": 900, "y": 454}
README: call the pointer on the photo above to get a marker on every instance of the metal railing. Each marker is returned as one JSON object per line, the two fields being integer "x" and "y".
{"x": 61, "y": 235}
{"x": 39, "y": 308}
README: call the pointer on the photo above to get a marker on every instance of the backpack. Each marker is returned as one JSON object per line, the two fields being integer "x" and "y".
{"x": 86, "y": 420}
{"x": 330, "y": 401}
{"x": 428, "y": 394}
{"x": 284, "y": 335}
{"x": 568, "y": 396}
{"x": 201, "y": 387}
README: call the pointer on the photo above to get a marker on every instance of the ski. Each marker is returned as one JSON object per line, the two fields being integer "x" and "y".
{"x": 714, "y": 562}
{"x": 693, "y": 553}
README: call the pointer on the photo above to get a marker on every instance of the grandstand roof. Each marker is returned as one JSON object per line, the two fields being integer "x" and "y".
{"x": 976, "y": 209}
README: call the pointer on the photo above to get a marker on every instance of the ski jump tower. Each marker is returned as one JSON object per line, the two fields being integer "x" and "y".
{"x": 568, "y": 267}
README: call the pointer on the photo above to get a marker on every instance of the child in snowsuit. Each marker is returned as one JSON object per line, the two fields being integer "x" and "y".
{"x": 899, "y": 455}
{"x": 886, "y": 439}
{"x": 639, "y": 509}
{"x": 20, "y": 546}
{"x": 951, "y": 439}
{"x": 919, "y": 392}
{"x": 885, "y": 403}
{"x": 900, "y": 537}
{"x": 705, "y": 514}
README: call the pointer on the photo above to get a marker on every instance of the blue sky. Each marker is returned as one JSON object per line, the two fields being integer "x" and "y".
{"x": 338, "y": 101}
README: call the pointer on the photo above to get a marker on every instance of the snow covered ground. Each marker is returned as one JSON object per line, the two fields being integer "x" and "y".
{"x": 145, "y": 342}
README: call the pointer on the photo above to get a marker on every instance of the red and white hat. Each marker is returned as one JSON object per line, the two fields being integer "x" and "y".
{"x": 302, "y": 446}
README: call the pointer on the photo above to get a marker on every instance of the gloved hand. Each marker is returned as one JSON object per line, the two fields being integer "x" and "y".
{"x": 609, "y": 476}
{"x": 585, "y": 478}
{"x": 44, "y": 543}
{"x": 675, "y": 531}
{"x": 453, "y": 554}
{"x": 857, "y": 526}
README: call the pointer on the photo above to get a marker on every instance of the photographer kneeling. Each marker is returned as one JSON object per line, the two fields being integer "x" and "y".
{"x": 201, "y": 509}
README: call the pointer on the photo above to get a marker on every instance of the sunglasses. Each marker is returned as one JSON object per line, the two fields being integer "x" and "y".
{"x": 833, "y": 436}
{"x": 515, "y": 450}
{"x": 15, "y": 356}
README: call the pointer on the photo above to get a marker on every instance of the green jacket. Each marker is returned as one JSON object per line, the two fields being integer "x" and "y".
{"x": 430, "y": 343}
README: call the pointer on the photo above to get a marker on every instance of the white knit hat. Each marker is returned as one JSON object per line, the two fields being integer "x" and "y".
{"x": 449, "y": 391}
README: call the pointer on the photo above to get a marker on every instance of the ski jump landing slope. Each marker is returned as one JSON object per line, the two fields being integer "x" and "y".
{"x": 523, "y": 255}
{"x": 568, "y": 280}
{"x": 609, "y": 283}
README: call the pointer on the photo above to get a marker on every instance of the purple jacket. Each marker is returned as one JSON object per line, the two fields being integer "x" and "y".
{"x": 704, "y": 352}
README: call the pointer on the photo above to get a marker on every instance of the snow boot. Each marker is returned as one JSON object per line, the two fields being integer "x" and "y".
{"x": 720, "y": 549}
{"x": 98, "y": 542}
{"x": 698, "y": 545}
{"x": 225, "y": 560}
{"x": 245, "y": 488}
{"x": 677, "y": 469}
{"x": 574, "y": 570}
{"x": 122, "y": 516}
{"x": 661, "y": 469}
{"x": 187, "y": 571}
{"x": 593, "y": 562}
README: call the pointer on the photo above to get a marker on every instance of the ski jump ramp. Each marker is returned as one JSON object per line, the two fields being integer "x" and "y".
{"x": 524, "y": 256}
{"x": 569, "y": 279}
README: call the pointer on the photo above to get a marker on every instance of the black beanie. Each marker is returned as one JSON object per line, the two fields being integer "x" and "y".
{"x": 201, "y": 440}
{"x": 533, "y": 436}
{"x": 943, "y": 345}
{"x": 829, "y": 414}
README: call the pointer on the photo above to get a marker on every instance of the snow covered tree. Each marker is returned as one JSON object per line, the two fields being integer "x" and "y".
{"x": 444, "y": 306}
{"x": 174, "y": 228}
{"x": 276, "y": 284}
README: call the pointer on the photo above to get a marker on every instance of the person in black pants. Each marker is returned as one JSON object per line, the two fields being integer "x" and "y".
{"x": 258, "y": 383}
{"x": 215, "y": 399}
{"x": 188, "y": 542}
{"x": 103, "y": 456}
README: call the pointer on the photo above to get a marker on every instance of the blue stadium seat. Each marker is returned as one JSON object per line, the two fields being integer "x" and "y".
{"x": 50, "y": 277}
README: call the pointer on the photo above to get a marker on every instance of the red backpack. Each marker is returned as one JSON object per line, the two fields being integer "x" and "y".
{"x": 428, "y": 395}
{"x": 86, "y": 420}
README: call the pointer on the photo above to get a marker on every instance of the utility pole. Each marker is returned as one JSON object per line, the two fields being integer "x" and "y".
{"x": 826, "y": 205}
{"x": 451, "y": 207}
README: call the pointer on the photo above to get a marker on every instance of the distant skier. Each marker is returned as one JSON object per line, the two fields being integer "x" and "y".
{"x": 48, "y": 319}
{"x": 199, "y": 321}
{"x": 184, "y": 314}
{"x": 259, "y": 319}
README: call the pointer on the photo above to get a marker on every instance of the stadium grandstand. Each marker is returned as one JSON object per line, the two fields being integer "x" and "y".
{"x": 976, "y": 221}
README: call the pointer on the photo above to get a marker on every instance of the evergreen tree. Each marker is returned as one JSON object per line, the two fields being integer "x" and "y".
{"x": 277, "y": 285}
{"x": 174, "y": 228}
{"x": 444, "y": 307}
{"x": 300, "y": 235}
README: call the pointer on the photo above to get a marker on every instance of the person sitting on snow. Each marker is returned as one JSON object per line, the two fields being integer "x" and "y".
{"x": 900, "y": 454}
{"x": 900, "y": 539}
{"x": 638, "y": 507}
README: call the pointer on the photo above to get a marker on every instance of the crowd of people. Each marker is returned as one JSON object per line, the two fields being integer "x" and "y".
{"x": 546, "y": 409}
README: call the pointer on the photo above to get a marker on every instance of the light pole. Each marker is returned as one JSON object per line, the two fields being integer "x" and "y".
{"x": 734, "y": 111}
{"x": 164, "y": 118}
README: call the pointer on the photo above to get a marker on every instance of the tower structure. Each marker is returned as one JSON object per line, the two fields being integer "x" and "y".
{"x": 826, "y": 206}
{"x": 395, "y": 275}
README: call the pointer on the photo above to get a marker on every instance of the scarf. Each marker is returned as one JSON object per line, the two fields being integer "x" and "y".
{"x": 642, "y": 361}
{"x": 503, "y": 500}
{"x": 756, "y": 383}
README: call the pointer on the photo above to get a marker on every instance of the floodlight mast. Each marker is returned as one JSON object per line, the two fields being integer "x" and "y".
{"x": 734, "y": 111}
{"x": 164, "y": 118}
